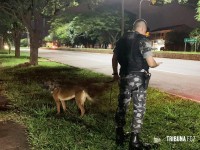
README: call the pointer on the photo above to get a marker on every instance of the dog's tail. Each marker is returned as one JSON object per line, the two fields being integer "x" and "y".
{"x": 89, "y": 97}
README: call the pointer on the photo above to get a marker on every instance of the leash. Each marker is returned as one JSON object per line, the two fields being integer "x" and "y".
{"x": 111, "y": 88}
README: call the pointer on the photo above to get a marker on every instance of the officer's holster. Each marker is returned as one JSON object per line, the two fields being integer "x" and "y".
{"x": 147, "y": 77}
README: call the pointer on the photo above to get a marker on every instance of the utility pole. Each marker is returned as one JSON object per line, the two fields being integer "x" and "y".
{"x": 140, "y": 7}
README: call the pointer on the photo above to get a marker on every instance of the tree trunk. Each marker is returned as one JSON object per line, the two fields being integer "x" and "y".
{"x": 33, "y": 21}
{"x": 34, "y": 45}
{"x": 1, "y": 42}
{"x": 17, "y": 38}
{"x": 17, "y": 48}
{"x": 9, "y": 45}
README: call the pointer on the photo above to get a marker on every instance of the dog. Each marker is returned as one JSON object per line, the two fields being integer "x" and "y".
{"x": 64, "y": 93}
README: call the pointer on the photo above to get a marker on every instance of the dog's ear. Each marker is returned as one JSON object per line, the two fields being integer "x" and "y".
{"x": 46, "y": 84}
{"x": 55, "y": 83}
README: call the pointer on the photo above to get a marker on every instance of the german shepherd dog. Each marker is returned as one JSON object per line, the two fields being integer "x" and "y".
{"x": 64, "y": 93}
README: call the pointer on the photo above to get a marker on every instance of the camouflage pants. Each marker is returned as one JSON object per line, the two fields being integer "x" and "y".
{"x": 131, "y": 88}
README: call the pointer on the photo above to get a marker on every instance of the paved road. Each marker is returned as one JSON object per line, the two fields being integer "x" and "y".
{"x": 175, "y": 76}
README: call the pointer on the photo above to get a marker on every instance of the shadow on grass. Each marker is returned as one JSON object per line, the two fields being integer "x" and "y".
{"x": 29, "y": 82}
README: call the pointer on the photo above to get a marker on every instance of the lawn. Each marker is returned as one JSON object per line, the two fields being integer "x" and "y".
{"x": 177, "y": 52}
{"x": 33, "y": 106}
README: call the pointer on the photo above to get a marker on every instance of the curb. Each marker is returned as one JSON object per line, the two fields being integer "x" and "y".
{"x": 172, "y": 55}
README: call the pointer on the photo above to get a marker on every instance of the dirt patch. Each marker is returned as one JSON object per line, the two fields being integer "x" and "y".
{"x": 3, "y": 102}
{"x": 23, "y": 65}
{"x": 13, "y": 136}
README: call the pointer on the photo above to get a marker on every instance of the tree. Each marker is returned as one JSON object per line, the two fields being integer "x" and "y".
{"x": 11, "y": 31}
{"x": 16, "y": 31}
{"x": 198, "y": 11}
{"x": 31, "y": 13}
{"x": 196, "y": 34}
{"x": 88, "y": 28}
{"x": 188, "y": 2}
{"x": 1, "y": 42}
{"x": 175, "y": 40}
{"x": 59, "y": 29}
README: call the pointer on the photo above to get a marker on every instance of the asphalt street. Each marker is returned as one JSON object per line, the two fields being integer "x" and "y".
{"x": 175, "y": 76}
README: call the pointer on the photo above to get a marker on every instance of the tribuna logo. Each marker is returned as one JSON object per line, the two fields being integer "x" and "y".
{"x": 180, "y": 138}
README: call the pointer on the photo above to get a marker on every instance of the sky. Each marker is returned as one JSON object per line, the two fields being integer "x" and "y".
{"x": 161, "y": 16}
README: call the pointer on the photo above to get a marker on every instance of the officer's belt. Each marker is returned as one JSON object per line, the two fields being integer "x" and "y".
{"x": 139, "y": 73}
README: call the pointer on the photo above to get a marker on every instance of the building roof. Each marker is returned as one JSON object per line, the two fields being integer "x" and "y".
{"x": 172, "y": 28}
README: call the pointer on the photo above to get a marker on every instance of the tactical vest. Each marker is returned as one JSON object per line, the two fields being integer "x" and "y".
{"x": 129, "y": 54}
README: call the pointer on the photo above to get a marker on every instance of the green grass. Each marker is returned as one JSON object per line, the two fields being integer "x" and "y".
{"x": 4, "y": 51}
{"x": 176, "y": 52}
{"x": 33, "y": 106}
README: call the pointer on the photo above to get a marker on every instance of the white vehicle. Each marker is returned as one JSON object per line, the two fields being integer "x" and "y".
{"x": 158, "y": 44}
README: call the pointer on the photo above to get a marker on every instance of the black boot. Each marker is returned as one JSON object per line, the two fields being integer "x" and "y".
{"x": 120, "y": 136}
{"x": 135, "y": 143}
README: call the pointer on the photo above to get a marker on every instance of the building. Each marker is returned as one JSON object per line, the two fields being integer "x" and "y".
{"x": 161, "y": 40}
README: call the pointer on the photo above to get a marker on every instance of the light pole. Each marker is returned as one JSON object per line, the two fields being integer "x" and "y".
{"x": 140, "y": 6}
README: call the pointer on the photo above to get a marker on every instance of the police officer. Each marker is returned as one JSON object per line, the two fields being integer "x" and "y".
{"x": 133, "y": 53}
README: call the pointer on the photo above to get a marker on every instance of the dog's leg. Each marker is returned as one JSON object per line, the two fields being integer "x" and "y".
{"x": 63, "y": 106}
{"x": 81, "y": 107}
{"x": 80, "y": 100}
{"x": 57, "y": 104}
{"x": 58, "y": 107}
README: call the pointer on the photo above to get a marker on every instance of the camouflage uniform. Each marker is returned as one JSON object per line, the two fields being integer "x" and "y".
{"x": 131, "y": 51}
{"x": 131, "y": 87}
